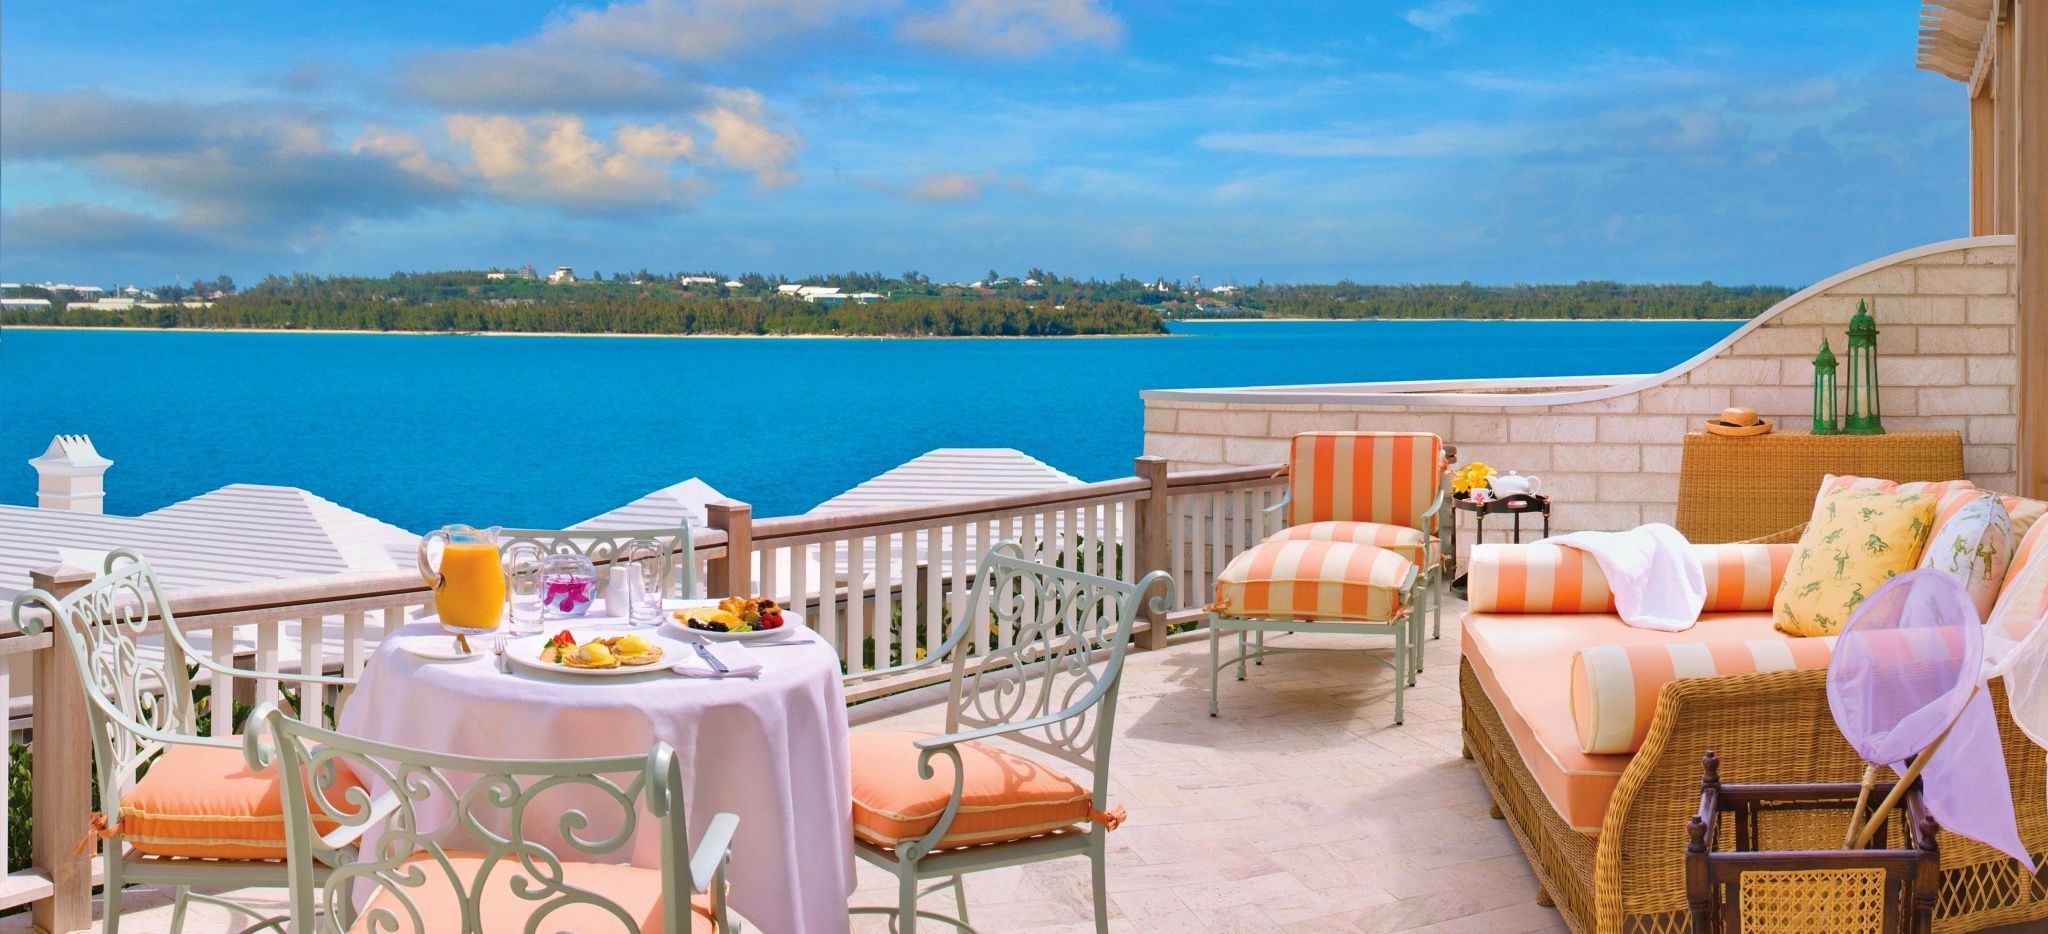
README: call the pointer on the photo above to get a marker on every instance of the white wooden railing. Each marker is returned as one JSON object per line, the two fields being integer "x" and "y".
{"x": 879, "y": 584}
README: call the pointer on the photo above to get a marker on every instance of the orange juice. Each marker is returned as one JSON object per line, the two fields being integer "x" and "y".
{"x": 472, "y": 595}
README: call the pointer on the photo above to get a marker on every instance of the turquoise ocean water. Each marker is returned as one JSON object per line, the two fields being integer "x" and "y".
{"x": 543, "y": 431}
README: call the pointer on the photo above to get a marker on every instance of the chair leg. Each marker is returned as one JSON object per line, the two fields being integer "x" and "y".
{"x": 179, "y": 903}
{"x": 1243, "y": 648}
{"x": 960, "y": 899}
{"x": 1259, "y": 640}
{"x": 906, "y": 898}
{"x": 1098, "y": 857}
{"x": 1436, "y": 586}
{"x": 1215, "y": 658}
{"x": 1400, "y": 671}
{"x": 110, "y": 905}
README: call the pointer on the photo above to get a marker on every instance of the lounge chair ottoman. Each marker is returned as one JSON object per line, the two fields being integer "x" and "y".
{"x": 1316, "y": 585}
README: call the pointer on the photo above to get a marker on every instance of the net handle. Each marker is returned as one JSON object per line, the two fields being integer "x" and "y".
{"x": 1884, "y": 808}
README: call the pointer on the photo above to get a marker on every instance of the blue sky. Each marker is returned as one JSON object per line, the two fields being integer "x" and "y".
{"x": 1421, "y": 141}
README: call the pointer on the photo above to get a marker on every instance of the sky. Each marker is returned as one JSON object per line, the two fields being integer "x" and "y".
{"x": 1419, "y": 141}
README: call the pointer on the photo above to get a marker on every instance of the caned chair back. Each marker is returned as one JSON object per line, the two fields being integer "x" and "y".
{"x": 134, "y": 703}
{"x": 1389, "y": 477}
{"x": 679, "y": 574}
{"x": 435, "y": 818}
{"x": 1060, "y": 667}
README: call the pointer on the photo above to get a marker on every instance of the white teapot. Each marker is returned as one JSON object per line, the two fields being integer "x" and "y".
{"x": 1512, "y": 482}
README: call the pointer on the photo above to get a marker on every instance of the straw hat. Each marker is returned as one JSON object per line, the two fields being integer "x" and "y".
{"x": 1738, "y": 422}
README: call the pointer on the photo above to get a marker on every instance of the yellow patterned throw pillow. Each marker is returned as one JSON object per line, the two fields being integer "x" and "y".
{"x": 1858, "y": 539}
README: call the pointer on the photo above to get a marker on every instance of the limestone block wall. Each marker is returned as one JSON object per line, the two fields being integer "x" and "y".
{"x": 1609, "y": 454}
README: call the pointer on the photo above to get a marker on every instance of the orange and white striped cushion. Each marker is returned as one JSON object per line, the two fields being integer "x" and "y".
{"x": 1314, "y": 580}
{"x": 1614, "y": 687}
{"x": 2023, "y": 598}
{"x": 1541, "y": 578}
{"x": 2024, "y": 512}
{"x": 1364, "y": 476}
{"x": 1412, "y": 544}
{"x": 1829, "y": 483}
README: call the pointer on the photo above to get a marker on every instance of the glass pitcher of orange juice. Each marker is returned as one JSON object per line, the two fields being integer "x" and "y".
{"x": 468, "y": 580}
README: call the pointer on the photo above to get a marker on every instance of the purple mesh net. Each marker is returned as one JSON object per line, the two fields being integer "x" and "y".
{"x": 1906, "y": 666}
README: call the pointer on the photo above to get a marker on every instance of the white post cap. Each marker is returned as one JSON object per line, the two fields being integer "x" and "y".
{"x": 71, "y": 475}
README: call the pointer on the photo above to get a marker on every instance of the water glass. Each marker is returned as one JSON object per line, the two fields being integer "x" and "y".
{"x": 644, "y": 560}
{"x": 522, "y": 594}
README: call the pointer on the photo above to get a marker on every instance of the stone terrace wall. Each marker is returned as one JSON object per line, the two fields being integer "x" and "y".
{"x": 1946, "y": 318}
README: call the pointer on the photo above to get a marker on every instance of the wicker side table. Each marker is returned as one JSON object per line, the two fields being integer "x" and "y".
{"x": 1736, "y": 489}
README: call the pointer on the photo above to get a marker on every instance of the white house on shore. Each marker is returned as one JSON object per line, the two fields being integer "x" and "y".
{"x": 562, "y": 275}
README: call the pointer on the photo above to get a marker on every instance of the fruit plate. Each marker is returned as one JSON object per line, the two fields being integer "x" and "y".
{"x": 789, "y": 629}
{"x": 525, "y": 652}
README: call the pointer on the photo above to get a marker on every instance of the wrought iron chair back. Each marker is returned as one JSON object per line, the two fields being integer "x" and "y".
{"x": 420, "y": 818}
{"x": 679, "y": 575}
{"x": 135, "y": 704}
{"x": 1056, "y": 678}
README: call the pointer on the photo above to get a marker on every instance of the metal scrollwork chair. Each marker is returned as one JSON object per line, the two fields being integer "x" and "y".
{"x": 602, "y": 545}
{"x": 939, "y": 807}
{"x": 179, "y": 808}
{"x": 393, "y": 841}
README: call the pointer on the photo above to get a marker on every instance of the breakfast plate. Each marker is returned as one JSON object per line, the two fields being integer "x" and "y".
{"x": 734, "y": 619}
{"x": 529, "y": 653}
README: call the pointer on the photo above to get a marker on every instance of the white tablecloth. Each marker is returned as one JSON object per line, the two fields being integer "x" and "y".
{"x": 773, "y": 751}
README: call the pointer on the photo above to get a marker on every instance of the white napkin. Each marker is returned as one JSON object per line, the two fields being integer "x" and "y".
{"x": 738, "y": 661}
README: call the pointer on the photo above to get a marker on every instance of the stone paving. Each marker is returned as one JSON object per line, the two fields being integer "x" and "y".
{"x": 1302, "y": 808}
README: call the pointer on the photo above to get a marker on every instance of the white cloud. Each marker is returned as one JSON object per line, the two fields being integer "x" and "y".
{"x": 1440, "y": 16}
{"x": 742, "y": 140}
{"x": 959, "y": 186}
{"x": 553, "y": 160}
{"x": 1013, "y": 27}
{"x": 1444, "y": 139}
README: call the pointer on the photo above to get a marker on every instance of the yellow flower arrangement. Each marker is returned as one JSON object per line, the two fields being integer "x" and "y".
{"x": 1470, "y": 477}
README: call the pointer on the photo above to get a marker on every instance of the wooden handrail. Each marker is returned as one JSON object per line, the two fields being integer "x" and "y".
{"x": 781, "y": 527}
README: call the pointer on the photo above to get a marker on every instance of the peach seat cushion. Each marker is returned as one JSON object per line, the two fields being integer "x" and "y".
{"x": 1524, "y": 663}
{"x": 1314, "y": 580}
{"x": 1409, "y": 543}
{"x": 635, "y": 890}
{"x": 1005, "y": 796}
{"x": 205, "y": 801}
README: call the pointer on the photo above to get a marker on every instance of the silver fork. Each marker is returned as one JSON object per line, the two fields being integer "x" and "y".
{"x": 498, "y": 648}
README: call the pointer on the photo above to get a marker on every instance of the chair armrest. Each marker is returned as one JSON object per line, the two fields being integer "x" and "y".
{"x": 1285, "y": 499}
{"x": 708, "y": 855}
{"x": 206, "y": 661}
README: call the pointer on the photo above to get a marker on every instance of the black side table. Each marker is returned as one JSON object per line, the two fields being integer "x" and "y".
{"x": 1514, "y": 504}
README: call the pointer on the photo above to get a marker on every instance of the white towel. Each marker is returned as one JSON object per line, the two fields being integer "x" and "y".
{"x": 1656, "y": 582}
{"x": 737, "y": 659}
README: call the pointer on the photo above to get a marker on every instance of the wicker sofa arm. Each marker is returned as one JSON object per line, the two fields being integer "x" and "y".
{"x": 1781, "y": 537}
{"x": 1775, "y": 728}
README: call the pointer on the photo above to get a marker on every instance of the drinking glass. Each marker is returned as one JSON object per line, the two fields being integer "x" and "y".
{"x": 644, "y": 559}
{"x": 522, "y": 570}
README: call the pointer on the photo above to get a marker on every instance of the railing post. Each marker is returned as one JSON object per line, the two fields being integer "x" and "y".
{"x": 1152, "y": 554}
{"x": 732, "y": 575}
{"x": 62, "y": 779}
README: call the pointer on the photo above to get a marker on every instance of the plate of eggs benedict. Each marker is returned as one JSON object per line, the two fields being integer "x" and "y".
{"x": 635, "y": 653}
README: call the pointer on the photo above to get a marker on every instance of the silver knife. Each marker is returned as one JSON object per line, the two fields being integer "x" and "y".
{"x": 704, "y": 652}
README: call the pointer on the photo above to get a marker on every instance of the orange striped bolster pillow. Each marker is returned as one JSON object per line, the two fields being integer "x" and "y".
{"x": 1542, "y": 578}
{"x": 1314, "y": 580}
{"x": 1614, "y": 687}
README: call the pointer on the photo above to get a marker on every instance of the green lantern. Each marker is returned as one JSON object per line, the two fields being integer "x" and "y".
{"x": 1865, "y": 416}
{"x": 1824, "y": 392}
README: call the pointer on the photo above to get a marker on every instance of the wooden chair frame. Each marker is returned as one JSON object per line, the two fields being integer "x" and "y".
{"x": 1072, "y": 631}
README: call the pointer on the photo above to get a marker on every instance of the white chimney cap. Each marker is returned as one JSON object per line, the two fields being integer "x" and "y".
{"x": 70, "y": 451}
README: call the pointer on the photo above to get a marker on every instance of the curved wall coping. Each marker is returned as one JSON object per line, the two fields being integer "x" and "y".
{"x": 1466, "y": 392}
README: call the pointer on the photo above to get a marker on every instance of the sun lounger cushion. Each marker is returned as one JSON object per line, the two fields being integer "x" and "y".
{"x": 1409, "y": 543}
{"x": 634, "y": 889}
{"x": 1540, "y": 578}
{"x": 1364, "y": 476}
{"x": 1857, "y": 540}
{"x": 205, "y": 801}
{"x": 1614, "y": 687}
{"x": 1314, "y": 581}
{"x": 1973, "y": 543}
{"x": 1005, "y": 796}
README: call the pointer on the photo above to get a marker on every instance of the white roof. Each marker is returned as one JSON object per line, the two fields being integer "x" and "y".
{"x": 236, "y": 534}
{"x": 733, "y": 283}
{"x": 818, "y": 290}
{"x": 951, "y": 474}
{"x": 788, "y": 287}
{"x": 663, "y": 508}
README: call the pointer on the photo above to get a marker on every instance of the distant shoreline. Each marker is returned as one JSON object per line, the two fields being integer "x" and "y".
{"x": 1405, "y": 320}
{"x": 606, "y": 334}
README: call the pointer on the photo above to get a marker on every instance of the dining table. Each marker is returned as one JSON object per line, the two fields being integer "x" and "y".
{"x": 771, "y": 748}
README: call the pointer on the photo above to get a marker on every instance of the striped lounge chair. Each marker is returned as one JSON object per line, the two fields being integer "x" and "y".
{"x": 1358, "y": 555}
